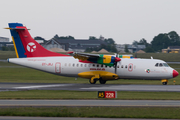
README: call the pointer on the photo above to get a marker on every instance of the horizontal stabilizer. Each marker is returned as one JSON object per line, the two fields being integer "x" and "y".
{"x": 16, "y": 28}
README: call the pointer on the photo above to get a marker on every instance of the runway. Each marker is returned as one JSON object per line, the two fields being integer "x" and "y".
{"x": 87, "y": 87}
{"x": 115, "y": 103}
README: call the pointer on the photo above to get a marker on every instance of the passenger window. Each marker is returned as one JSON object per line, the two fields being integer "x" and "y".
{"x": 156, "y": 64}
{"x": 121, "y": 66}
{"x": 118, "y": 66}
{"x": 93, "y": 65}
{"x": 106, "y": 66}
{"x": 65, "y": 64}
{"x": 81, "y": 65}
{"x": 160, "y": 64}
{"x": 77, "y": 65}
{"x": 73, "y": 64}
{"x": 126, "y": 66}
{"x": 84, "y": 65}
{"x": 97, "y": 65}
{"x": 69, "y": 64}
{"x": 109, "y": 66}
{"x": 101, "y": 65}
{"x": 89, "y": 65}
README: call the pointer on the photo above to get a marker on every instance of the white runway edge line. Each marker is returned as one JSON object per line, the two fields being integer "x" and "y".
{"x": 39, "y": 86}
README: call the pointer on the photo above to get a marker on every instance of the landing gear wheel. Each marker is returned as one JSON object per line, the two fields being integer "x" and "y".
{"x": 164, "y": 83}
{"x": 93, "y": 81}
{"x": 102, "y": 81}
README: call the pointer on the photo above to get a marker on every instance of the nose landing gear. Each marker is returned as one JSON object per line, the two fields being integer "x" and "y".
{"x": 164, "y": 81}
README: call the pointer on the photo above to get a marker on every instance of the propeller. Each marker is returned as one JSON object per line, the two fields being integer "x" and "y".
{"x": 117, "y": 59}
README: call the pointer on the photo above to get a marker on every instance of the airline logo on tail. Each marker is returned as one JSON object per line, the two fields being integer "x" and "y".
{"x": 31, "y": 47}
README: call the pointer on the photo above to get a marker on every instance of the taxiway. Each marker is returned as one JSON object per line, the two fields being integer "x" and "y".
{"x": 114, "y": 103}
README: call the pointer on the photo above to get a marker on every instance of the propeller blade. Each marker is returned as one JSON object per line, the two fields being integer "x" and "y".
{"x": 117, "y": 59}
{"x": 115, "y": 67}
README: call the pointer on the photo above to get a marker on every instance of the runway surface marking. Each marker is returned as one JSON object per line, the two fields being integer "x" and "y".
{"x": 26, "y": 87}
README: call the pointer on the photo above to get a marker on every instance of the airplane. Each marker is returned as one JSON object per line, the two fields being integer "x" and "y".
{"x": 94, "y": 67}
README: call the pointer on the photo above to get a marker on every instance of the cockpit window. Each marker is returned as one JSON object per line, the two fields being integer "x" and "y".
{"x": 165, "y": 64}
{"x": 160, "y": 64}
{"x": 157, "y": 64}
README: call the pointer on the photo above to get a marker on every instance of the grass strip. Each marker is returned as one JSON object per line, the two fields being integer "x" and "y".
{"x": 64, "y": 94}
{"x": 7, "y": 54}
{"x": 105, "y": 112}
{"x": 171, "y": 57}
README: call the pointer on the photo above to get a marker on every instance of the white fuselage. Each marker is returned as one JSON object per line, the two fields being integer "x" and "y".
{"x": 126, "y": 68}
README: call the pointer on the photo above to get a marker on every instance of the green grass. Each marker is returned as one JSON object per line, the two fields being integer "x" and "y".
{"x": 175, "y": 66}
{"x": 27, "y": 75}
{"x": 168, "y": 57}
{"x": 7, "y": 54}
{"x": 3, "y": 64}
{"x": 64, "y": 94}
{"x": 103, "y": 112}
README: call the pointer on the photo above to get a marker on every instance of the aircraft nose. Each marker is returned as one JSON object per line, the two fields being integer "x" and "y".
{"x": 175, "y": 73}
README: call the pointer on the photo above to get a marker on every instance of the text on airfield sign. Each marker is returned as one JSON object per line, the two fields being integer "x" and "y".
{"x": 107, "y": 94}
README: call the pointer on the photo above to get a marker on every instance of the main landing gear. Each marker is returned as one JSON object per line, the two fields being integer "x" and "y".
{"x": 94, "y": 80}
{"x": 102, "y": 81}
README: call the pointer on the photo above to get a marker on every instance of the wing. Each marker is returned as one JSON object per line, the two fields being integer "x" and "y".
{"x": 96, "y": 58}
{"x": 86, "y": 56}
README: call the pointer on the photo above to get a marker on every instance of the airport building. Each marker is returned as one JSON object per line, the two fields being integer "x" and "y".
{"x": 4, "y": 39}
{"x": 5, "y": 42}
{"x": 76, "y": 45}
{"x": 131, "y": 48}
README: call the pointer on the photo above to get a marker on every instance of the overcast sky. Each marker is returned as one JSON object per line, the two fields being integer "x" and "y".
{"x": 122, "y": 20}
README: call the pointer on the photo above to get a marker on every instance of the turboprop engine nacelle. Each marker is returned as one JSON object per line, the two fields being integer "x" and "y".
{"x": 108, "y": 60}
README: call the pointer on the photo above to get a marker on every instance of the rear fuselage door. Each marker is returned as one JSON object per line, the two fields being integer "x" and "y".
{"x": 58, "y": 67}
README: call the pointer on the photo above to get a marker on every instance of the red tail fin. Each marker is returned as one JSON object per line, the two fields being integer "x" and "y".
{"x": 31, "y": 47}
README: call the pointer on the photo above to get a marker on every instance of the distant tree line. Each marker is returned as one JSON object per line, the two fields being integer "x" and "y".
{"x": 62, "y": 37}
{"x": 159, "y": 42}
{"x": 110, "y": 45}
{"x": 5, "y": 48}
